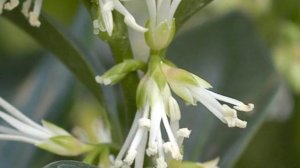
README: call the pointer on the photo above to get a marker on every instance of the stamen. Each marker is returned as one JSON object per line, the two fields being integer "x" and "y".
{"x": 161, "y": 163}
{"x": 34, "y": 15}
{"x": 184, "y": 132}
{"x": 129, "y": 138}
{"x": 11, "y": 5}
{"x": 130, "y": 157}
{"x": 238, "y": 104}
{"x": 26, "y": 7}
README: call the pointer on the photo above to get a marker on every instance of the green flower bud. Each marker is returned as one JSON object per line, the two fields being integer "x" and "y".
{"x": 161, "y": 35}
{"x": 119, "y": 71}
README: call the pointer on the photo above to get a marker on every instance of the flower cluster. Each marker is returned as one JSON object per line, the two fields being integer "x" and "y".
{"x": 146, "y": 134}
{"x": 49, "y": 136}
{"x": 159, "y": 113}
{"x": 33, "y": 16}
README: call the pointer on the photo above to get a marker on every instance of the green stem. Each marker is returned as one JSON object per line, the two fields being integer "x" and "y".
{"x": 121, "y": 50}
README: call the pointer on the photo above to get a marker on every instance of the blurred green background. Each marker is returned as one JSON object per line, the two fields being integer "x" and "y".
{"x": 247, "y": 49}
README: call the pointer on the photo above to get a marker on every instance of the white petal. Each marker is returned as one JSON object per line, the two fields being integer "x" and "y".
{"x": 238, "y": 104}
{"x": 23, "y": 127}
{"x": 19, "y": 115}
{"x": 26, "y": 7}
{"x": 173, "y": 8}
{"x": 18, "y": 138}
{"x": 203, "y": 96}
{"x": 129, "y": 19}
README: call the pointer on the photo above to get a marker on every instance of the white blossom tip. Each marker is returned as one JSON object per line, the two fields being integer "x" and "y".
{"x": 174, "y": 150}
{"x": 130, "y": 157}
{"x": 245, "y": 107}
{"x": 160, "y": 163}
{"x": 152, "y": 149}
{"x": 11, "y": 5}
{"x": 184, "y": 132}
{"x": 34, "y": 19}
{"x": 240, "y": 123}
{"x": 118, "y": 164}
{"x": 144, "y": 122}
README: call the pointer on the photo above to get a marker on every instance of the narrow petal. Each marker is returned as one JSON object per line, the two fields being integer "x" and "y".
{"x": 19, "y": 115}
{"x": 129, "y": 19}
{"x": 238, "y": 104}
{"x": 8, "y": 137}
{"x": 23, "y": 127}
{"x": 173, "y": 8}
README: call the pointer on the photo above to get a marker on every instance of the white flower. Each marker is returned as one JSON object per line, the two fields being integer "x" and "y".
{"x": 146, "y": 132}
{"x": 34, "y": 15}
{"x": 105, "y": 22}
{"x": 48, "y": 137}
{"x": 193, "y": 89}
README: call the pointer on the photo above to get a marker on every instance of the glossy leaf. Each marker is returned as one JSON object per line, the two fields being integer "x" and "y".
{"x": 68, "y": 164}
{"x": 228, "y": 54}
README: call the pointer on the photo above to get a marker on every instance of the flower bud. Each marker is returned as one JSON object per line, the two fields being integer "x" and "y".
{"x": 161, "y": 35}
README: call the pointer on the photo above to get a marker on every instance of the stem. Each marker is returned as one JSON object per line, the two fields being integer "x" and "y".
{"x": 121, "y": 49}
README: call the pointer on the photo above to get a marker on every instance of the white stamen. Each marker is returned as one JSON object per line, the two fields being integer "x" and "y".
{"x": 161, "y": 163}
{"x": 11, "y": 5}
{"x": 238, "y": 104}
{"x": 130, "y": 157}
{"x": 129, "y": 138}
{"x": 184, "y": 132}
{"x": 34, "y": 15}
{"x": 26, "y": 7}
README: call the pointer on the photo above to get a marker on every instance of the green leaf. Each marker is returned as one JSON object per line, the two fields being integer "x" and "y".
{"x": 229, "y": 55}
{"x": 187, "y": 9}
{"x": 68, "y": 164}
{"x": 57, "y": 40}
